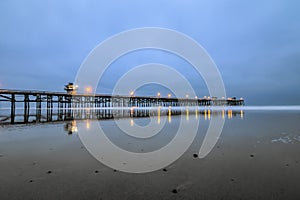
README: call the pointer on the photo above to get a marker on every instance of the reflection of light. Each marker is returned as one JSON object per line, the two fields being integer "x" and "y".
{"x": 158, "y": 115}
{"x": 196, "y": 113}
{"x": 242, "y": 114}
{"x": 187, "y": 114}
{"x": 169, "y": 116}
{"x": 169, "y": 95}
{"x": 208, "y": 114}
{"x": 229, "y": 114}
{"x": 131, "y": 111}
{"x": 74, "y": 127}
{"x": 223, "y": 114}
{"x": 131, "y": 122}
{"x": 205, "y": 115}
{"x": 87, "y": 124}
{"x": 88, "y": 89}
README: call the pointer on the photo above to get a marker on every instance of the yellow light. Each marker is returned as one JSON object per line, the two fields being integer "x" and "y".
{"x": 131, "y": 122}
{"x": 169, "y": 95}
{"x": 131, "y": 93}
{"x": 223, "y": 114}
{"x": 158, "y": 115}
{"x": 208, "y": 114}
{"x": 242, "y": 114}
{"x": 187, "y": 114}
{"x": 88, "y": 124}
{"x": 196, "y": 113}
{"x": 205, "y": 115}
{"x": 88, "y": 89}
{"x": 74, "y": 127}
{"x": 158, "y": 94}
{"x": 169, "y": 115}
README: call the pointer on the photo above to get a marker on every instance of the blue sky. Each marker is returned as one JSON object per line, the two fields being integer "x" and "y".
{"x": 255, "y": 44}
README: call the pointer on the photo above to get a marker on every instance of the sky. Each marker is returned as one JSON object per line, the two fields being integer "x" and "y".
{"x": 255, "y": 44}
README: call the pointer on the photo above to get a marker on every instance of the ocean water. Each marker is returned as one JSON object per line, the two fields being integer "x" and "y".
{"x": 255, "y": 156}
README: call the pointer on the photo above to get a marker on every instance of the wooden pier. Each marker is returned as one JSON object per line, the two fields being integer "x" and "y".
{"x": 62, "y": 101}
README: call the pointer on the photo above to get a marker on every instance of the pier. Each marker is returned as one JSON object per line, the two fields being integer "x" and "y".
{"x": 29, "y": 99}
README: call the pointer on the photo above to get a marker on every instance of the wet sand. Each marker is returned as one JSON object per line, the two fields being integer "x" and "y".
{"x": 256, "y": 157}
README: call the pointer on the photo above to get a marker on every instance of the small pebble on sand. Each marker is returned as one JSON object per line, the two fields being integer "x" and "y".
{"x": 195, "y": 155}
{"x": 96, "y": 171}
{"x": 164, "y": 169}
{"x": 175, "y": 191}
{"x": 49, "y": 172}
{"x": 251, "y": 155}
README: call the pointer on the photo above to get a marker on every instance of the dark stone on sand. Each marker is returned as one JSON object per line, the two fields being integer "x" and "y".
{"x": 195, "y": 155}
{"x": 174, "y": 191}
{"x": 287, "y": 165}
{"x": 115, "y": 170}
{"x": 232, "y": 180}
{"x": 30, "y": 181}
{"x": 251, "y": 155}
{"x": 96, "y": 171}
{"x": 164, "y": 169}
{"x": 49, "y": 172}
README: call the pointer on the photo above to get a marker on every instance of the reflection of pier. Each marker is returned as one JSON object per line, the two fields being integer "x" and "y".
{"x": 58, "y": 115}
{"x": 62, "y": 101}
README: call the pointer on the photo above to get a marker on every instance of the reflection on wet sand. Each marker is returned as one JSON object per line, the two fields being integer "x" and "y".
{"x": 102, "y": 114}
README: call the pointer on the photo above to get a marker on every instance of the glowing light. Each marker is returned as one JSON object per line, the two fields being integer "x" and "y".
{"x": 186, "y": 96}
{"x": 241, "y": 99}
{"x": 229, "y": 114}
{"x": 196, "y": 113}
{"x": 196, "y": 97}
{"x": 242, "y": 114}
{"x": 223, "y": 114}
{"x": 158, "y": 94}
{"x": 131, "y": 111}
{"x": 169, "y": 115}
{"x": 169, "y": 95}
{"x": 131, "y": 93}
{"x": 88, "y": 89}
{"x": 205, "y": 115}
{"x": 187, "y": 114}
{"x": 208, "y": 114}
{"x": 131, "y": 122}
{"x": 74, "y": 127}
{"x": 158, "y": 115}
{"x": 88, "y": 125}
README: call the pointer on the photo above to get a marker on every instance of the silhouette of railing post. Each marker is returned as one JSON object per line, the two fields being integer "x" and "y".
{"x": 13, "y": 108}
